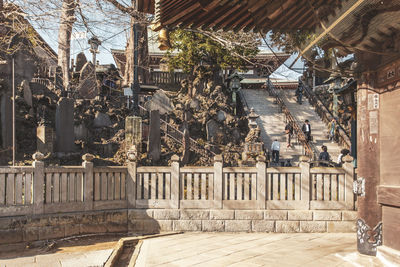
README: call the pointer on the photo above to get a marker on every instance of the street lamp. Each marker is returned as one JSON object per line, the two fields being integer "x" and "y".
{"x": 94, "y": 43}
{"x": 335, "y": 81}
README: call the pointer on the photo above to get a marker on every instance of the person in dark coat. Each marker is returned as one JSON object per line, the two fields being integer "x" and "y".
{"x": 306, "y": 128}
{"x": 324, "y": 156}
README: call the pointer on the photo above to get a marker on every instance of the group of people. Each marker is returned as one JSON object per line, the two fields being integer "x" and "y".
{"x": 306, "y": 129}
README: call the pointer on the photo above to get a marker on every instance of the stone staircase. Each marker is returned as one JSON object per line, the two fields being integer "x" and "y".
{"x": 319, "y": 129}
{"x": 271, "y": 122}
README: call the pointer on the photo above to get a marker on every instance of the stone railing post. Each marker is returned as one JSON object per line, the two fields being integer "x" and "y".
{"x": 131, "y": 178}
{"x": 88, "y": 182}
{"x": 218, "y": 180}
{"x": 175, "y": 173}
{"x": 349, "y": 179}
{"x": 305, "y": 181}
{"x": 261, "y": 182}
{"x": 38, "y": 183}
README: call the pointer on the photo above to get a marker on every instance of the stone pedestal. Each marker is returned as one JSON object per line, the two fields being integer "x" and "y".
{"x": 45, "y": 139}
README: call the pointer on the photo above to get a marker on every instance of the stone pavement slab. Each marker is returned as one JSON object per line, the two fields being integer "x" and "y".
{"x": 254, "y": 249}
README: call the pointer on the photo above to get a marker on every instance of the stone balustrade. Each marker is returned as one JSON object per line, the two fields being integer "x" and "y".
{"x": 36, "y": 200}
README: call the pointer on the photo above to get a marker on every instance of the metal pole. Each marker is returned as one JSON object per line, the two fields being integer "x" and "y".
{"x": 13, "y": 110}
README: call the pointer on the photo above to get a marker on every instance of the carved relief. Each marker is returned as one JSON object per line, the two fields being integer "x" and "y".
{"x": 367, "y": 239}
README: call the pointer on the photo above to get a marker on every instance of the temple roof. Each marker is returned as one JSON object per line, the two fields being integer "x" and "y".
{"x": 351, "y": 24}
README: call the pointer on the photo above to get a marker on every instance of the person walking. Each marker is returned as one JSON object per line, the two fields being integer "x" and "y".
{"x": 289, "y": 133}
{"x": 275, "y": 147}
{"x": 299, "y": 94}
{"x": 332, "y": 129}
{"x": 306, "y": 128}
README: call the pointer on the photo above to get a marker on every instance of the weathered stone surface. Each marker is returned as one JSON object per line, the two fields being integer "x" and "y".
{"x": 80, "y": 61}
{"x": 101, "y": 120}
{"x": 81, "y": 132}
{"x": 133, "y": 132}
{"x": 287, "y": 226}
{"x": 212, "y": 129}
{"x": 154, "y": 148}
{"x": 93, "y": 228}
{"x": 72, "y": 229}
{"x": 51, "y": 232}
{"x": 140, "y": 214}
{"x": 275, "y": 215}
{"x": 249, "y": 215}
{"x": 6, "y": 120}
{"x": 238, "y": 225}
{"x": 11, "y": 236}
{"x": 87, "y": 82}
{"x": 165, "y": 225}
{"x": 349, "y": 215}
{"x": 32, "y": 234}
{"x": 221, "y": 115}
{"x": 161, "y": 102}
{"x": 194, "y": 104}
{"x": 341, "y": 227}
{"x": 117, "y": 217}
{"x": 213, "y": 226}
{"x": 327, "y": 215}
{"x": 146, "y": 226}
{"x": 166, "y": 214}
{"x": 312, "y": 227}
{"x": 65, "y": 125}
{"x": 263, "y": 226}
{"x": 300, "y": 215}
{"x": 45, "y": 139}
{"x": 195, "y": 214}
{"x": 27, "y": 92}
{"x": 222, "y": 214}
{"x": 187, "y": 225}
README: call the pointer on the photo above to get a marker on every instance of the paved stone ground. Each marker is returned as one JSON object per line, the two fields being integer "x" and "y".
{"x": 253, "y": 249}
{"x": 90, "y": 251}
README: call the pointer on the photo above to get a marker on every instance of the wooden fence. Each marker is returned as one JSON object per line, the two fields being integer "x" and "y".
{"x": 160, "y": 77}
{"x": 45, "y": 190}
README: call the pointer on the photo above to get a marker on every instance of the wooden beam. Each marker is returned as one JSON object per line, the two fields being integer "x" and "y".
{"x": 336, "y": 22}
{"x": 179, "y": 14}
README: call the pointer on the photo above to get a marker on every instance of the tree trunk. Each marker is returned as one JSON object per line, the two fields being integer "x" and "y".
{"x": 143, "y": 53}
{"x": 67, "y": 20}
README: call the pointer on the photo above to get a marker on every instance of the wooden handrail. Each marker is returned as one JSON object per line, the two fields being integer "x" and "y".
{"x": 326, "y": 115}
{"x": 300, "y": 135}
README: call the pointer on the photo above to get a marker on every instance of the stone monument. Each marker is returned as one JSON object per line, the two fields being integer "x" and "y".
{"x": 87, "y": 82}
{"x": 65, "y": 125}
{"x": 154, "y": 148}
{"x": 133, "y": 133}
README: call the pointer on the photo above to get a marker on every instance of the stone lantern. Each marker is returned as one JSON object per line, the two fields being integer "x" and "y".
{"x": 234, "y": 87}
{"x": 335, "y": 83}
{"x": 252, "y": 117}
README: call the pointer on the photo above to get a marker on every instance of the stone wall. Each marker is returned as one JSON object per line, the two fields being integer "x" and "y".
{"x": 18, "y": 229}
